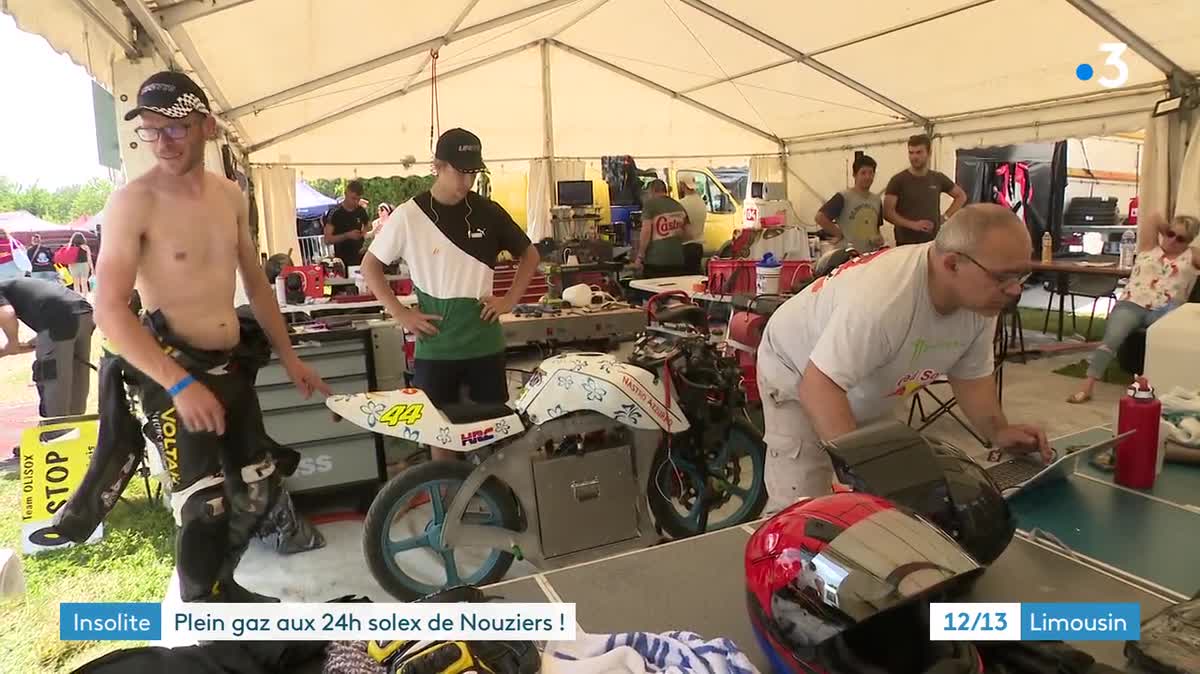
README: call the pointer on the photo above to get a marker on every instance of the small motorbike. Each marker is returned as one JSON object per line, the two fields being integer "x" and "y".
{"x": 596, "y": 456}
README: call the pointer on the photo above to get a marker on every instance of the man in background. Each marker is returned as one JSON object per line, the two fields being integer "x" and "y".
{"x": 913, "y": 198}
{"x": 660, "y": 246}
{"x": 41, "y": 258}
{"x": 63, "y": 322}
{"x": 346, "y": 226}
{"x": 854, "y": 216}
{"x": 697, "y": 213}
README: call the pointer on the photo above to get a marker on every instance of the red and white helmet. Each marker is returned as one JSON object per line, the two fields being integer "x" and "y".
{"x": 842, "y": 583}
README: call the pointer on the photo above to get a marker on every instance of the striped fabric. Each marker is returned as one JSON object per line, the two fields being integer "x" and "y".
{"x": 645, "y": 653}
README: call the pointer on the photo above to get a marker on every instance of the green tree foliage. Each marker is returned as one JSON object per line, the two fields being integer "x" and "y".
{"x": 394, "y": 190}
{"x": 62, "y": 205}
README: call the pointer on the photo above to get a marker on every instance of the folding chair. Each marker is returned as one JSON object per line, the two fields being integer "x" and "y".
{"x": 941, "y": 407}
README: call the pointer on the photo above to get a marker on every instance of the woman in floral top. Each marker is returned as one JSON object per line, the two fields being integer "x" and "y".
{"x": 1163, "y": 273}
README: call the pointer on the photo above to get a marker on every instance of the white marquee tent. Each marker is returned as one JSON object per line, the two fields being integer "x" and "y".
{"x": 343, "y": 87}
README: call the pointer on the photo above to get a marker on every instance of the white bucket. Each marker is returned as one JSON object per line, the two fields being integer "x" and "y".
{"x": 768, "y": 280}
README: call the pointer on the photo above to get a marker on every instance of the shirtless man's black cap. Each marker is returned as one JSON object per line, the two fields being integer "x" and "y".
{"x": 170, "y": 94}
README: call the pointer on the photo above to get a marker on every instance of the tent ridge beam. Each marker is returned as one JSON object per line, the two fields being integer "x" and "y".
{"x": 189, "y": 10}
{"x": 379, "y": 62}
{"x": 805, "y": 59}
{"x": 596, "y": 60}
{"x": 383, "y": 98}
{"x": 1176, "y": 75}
{"x": 124, "y": 40}
{"x": 570, "y": 24}
{"x": 462, "y": 16}
{"x": 163, "y": 45}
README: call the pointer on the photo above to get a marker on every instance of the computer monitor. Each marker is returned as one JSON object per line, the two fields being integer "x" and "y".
{"x": 575, "y": 193}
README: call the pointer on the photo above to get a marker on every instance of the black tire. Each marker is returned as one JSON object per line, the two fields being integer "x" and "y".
{"x": 399, "y": 491}
{"x": 675, "y": 525}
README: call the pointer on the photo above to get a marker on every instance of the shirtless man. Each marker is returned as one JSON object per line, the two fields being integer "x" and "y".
{"x": 182, "y": 233}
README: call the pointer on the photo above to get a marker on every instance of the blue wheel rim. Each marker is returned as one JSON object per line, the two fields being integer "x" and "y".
{"x": 431, "y": 537}
{"x": 749, "y": 496}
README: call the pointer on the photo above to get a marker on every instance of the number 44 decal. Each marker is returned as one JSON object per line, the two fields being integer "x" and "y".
{"x": 402, "y": 414}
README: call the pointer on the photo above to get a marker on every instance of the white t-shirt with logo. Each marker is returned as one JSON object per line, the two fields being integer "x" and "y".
{"x": 872, "y": 328}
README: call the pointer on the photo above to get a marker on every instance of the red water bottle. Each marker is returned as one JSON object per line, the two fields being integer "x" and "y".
{"x": 1137, "y": 455}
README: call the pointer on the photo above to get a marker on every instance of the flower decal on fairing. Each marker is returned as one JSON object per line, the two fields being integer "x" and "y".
{"x": 501, "y": 427}
{"x": 372, "y": 409}
{"x": 410, "y": 434}
{"x": 595, "y": 391}
{"x": 579, "y": 365}
{"x": 606, "y": 366}
{"x": 443, "y": 435}
{"x": 554, "y": 412}
{"x": 629, "y": 412}
{"x": 566, "y": 381}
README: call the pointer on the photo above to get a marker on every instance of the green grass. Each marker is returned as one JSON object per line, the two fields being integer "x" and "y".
{"x": 1032, "y": 319}
{"x": 133, "y": 562}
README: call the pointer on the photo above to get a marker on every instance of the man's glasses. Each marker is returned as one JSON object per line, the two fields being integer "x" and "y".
{"x": 1003, "y": 279}
{"x": 1182, "y": 238}
{"x": 174, "y": 132}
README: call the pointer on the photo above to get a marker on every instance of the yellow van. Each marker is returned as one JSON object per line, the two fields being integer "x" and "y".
{"x": 511, "y": 189}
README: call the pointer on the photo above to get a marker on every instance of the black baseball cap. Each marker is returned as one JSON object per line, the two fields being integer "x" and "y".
{"x": 462, "y": 150}
{"x": 170, "y": 94}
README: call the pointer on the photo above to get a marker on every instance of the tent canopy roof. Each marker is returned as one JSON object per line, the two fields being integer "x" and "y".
{"x": 348, "y": 83}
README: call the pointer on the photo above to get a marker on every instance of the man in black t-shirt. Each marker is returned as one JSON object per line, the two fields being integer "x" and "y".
{"x": 346, "y": 226}
{"x": 41, "y": 257}
{"x": 62, "y": 320}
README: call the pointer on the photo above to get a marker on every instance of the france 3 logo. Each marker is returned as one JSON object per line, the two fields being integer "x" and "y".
{"x": 1085, "y": 71}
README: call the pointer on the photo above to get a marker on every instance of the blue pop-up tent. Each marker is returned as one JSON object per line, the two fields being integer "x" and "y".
{"x": 311, "y": 204}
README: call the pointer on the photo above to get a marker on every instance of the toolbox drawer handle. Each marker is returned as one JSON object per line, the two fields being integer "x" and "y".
{"x": 586, "y": 491}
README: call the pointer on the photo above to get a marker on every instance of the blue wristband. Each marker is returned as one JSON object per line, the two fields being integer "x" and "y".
{"x": 182, "y": 384}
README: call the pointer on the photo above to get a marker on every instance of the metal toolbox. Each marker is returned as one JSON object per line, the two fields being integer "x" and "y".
{"x": 333, "y": 463}
{"x": 586, "y": 501}
{"x": 332, "y": 359}
{"x": 287, "y": 396}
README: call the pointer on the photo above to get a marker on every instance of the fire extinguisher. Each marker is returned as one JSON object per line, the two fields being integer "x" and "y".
{"x": 1137, "y": 455}
{"x": 1133, "y": 211}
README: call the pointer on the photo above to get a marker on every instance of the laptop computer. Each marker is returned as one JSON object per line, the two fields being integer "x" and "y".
{"x": 1019, "y": 474}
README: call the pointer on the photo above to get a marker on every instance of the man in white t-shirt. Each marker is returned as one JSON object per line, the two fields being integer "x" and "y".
{"x": 697, "y": 213}
{"x": 844, "y": 351}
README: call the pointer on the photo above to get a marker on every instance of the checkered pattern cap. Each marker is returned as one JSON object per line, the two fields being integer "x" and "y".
{"x": 170, "y": 94}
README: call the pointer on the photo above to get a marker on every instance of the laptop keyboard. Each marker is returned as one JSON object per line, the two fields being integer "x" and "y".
{"x": 1014, "y": 473}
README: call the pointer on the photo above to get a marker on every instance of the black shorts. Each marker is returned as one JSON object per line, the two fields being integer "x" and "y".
{"x": 443, "y": 380}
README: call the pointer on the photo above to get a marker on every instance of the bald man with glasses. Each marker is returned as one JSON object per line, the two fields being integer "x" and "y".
{"x": 852, "y": 345}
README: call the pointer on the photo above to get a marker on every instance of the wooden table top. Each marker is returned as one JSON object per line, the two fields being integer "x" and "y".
{"x": 1079, "y": 266}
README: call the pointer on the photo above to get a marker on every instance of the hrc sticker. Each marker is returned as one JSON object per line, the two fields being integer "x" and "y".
{"x": 476, "y": 437}
{"x": 402, "y": 414}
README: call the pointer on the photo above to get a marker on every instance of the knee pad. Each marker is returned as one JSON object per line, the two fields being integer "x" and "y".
{"x": 204, "y": 498}
{"x": 201, "y": 546}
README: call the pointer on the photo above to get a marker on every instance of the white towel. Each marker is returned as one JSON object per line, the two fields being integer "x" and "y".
{"x": 645, "y": 653}
{"x": 1181, "y": 411}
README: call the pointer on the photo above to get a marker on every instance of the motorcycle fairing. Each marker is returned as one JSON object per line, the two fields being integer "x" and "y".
{"x": 410, "y": 415}
{"x": 598, "y": 382}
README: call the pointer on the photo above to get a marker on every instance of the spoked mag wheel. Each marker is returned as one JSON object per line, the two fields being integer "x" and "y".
{"x": 728, "y": 488}
{"x": 402, "y": 540}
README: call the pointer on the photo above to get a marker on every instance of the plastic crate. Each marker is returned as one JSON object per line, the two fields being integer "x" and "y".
{"x": 731, "y": 276}
{"x": 794, "y": 272}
